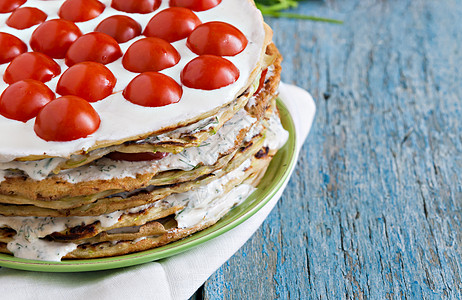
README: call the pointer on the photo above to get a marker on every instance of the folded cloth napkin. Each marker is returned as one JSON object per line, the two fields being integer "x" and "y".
{"x": 176, "y": 277}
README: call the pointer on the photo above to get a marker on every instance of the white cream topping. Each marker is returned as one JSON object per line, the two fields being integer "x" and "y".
{"x": 121, "y": 119}
{"x": 203, "y": 204}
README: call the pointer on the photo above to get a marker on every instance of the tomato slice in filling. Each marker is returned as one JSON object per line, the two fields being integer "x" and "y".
{"x": 142, "y": 156}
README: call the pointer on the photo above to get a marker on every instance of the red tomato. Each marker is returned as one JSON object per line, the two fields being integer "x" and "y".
{"x": 136, "y": 6}
{"x": 10, "y": 47}
{"x": 209, "y": 72}
{"x": 262, "y": 80}
{"x": 196, "y": 5}
{"x": 25, "y": 17}
{"x": 7, "y": 6}
{"x": 143, "y": 156}
{"x": 217, "y": 38}
{"x": 80, "y": 10}
{"x": 172, "y": 24}
{"x": 93, "y": 46}
{"x": 150, "y": 54}
{"x": 66, "y": 119}
{"x": 54, "y": 37}
{"x": 121, "y": 28}
{"x": 23, "y": 100}
{"x": 153, "y": 89}
{"x": 89, "y": 80}
{"x": 31, "y": 65}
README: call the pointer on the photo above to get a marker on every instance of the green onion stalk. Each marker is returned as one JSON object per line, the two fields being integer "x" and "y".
{"x": 275, "y": 8}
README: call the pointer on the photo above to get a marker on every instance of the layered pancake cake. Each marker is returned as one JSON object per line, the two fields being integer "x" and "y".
{"x": 129, "y": 124}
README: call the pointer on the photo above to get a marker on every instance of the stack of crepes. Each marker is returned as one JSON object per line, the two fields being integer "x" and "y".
{"x": 148, "y": 174}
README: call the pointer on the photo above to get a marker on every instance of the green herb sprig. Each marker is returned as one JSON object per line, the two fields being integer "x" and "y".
{"x": 274, "y": 8}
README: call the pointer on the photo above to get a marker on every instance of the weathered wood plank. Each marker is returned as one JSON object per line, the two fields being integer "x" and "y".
{"x": 374, "y": 209}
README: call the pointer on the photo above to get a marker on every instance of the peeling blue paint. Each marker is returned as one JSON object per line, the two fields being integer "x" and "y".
{"x": 374, "y": 207}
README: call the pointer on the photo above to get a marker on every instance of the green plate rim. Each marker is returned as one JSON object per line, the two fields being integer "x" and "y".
{"x": 280, "y": 169}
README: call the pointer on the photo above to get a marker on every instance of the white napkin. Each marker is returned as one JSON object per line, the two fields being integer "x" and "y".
{"x": 176, "y": 277}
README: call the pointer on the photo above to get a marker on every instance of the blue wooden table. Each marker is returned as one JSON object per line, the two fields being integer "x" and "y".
{"x": 374, "y": 208}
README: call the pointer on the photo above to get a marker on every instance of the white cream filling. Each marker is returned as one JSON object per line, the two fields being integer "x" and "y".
{"x": 206, "y": 203}
{"x": 210, "y": 202}
{"x": 27, "y": 243}
{"x": 121, "y": 119}
{"x": 104, "y": 169}
{"x": 203, "y": 204}
{"x": 276, "y": 135}
{"x": 37, "y": 169}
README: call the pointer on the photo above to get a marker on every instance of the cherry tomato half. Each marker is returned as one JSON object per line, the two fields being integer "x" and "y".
{"x": 26, "y": 17}
{"x": 7, "y": 6}
{"x": 196, "y": 5}
{"x": 88, "y": 80}
{"x": 150, "y": 54}
{"x": 94, "y": 46}
{"x": 143, "y": 156}
{"x": 80, "y": 10}
{"x": 121, "y": 28}
{"x": 23, "y": 100}
{"x": 54, "y": 37}
{"x": 10, "y": 47}
{"x": 31, "y": 65}
{"x": 261, "y": 82}
{"x": 153, "y": 89}
{"x": 66, "y": 119}
{"x": 172, "y": 24}
{"x": 217, "y": 38}
{"x": 136, "y": 6}
{"x": 209, "y": 72}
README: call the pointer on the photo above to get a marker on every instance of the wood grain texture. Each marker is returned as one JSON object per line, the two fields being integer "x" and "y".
{"x": 374, "y": 208}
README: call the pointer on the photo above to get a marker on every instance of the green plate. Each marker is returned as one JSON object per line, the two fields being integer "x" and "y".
{"x": 278, "y": 171}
